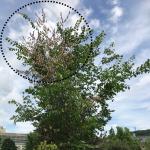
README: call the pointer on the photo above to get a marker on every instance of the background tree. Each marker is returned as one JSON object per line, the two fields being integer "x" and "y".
{"x": 8, "y": 144}
{"x": 146, "y": 144}
{"x": 120, "y": 139}
{"x": 69, "y": 113}
{"x": 142, "y": 132}
{"x": 32, "y": 141}
{"x": 0, "y": 141}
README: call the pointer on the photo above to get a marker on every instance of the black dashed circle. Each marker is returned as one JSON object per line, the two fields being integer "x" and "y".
{"x": 36, "y": 2}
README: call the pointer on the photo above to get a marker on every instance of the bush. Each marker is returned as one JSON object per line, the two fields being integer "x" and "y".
{"x": 147, "y": 144}
{"x": 118, "y": 144}
{"x": 8, "y": 144}
{"x": 32, "y": 141}
{"x": 122, "y": 139}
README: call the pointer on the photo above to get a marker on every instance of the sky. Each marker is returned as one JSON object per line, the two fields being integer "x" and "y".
{"x": 125, "y": 22}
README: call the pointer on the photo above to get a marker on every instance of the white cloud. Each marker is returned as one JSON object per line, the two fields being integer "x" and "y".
{"x": 115, "y": 2}
{"x": 95, "y": 23}
{"x": 20, "y": 127}
{"x": 86, "y": 12}
{"x": 131, "y": 119}
{"x": 18, "y": 32}
{"x": 73, "y": 4}
{"x": 5, "y": 88}
{"x": 10, "y": 1}
{"x": 11, "y": 87}
{"x": 143, "y": 55}
{"x": 132, "y": 108}
{"x": 116, "y": 14}
{"x": 55, "y": 10}
{"x": 133, "y": 32}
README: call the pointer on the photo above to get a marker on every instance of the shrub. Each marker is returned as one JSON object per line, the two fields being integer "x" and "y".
{"x": 147, "y": 144}
{"x": 122, "y": 139}
{"x": 32, "y": 141}
{"x": 8, "y": 144}
{"x": 118, "y": 145}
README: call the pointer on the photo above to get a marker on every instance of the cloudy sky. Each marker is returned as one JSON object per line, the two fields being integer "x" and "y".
{"x": 125, "y": 22}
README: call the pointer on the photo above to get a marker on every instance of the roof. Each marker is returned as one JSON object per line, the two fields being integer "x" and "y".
{"x": 13, "y": 134}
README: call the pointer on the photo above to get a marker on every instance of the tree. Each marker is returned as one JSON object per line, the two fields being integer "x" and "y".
{"x": 32, "y": 141}
{"x": 8, "y": 144}
{"x": 146, "y": 144}
{"x": 122, "y": 139}
{"x": 142, "y": 132}
{"x": 69, "y": 113}
{"x": 117, "y": 145}
{"x": 0, "y": 140}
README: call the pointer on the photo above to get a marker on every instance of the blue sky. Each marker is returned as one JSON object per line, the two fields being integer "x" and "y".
{"x": 125, "y": 22}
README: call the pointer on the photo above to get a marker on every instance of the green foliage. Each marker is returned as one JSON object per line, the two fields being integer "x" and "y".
{"x": 142, "y": 132}
{"x": 146, "y": 144}
{"x": 69, "y": 113}
{"x": 0, "y": 139}
{"x": 117, "y": 145}
{"x": 8, "y": 144}
{"x": 122, "y": 139}
{"x": 32, "y": 141}
{"x": 121, "y": 133}
{"x": 45, "y": 146}
{"x": 121, "y": 145}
